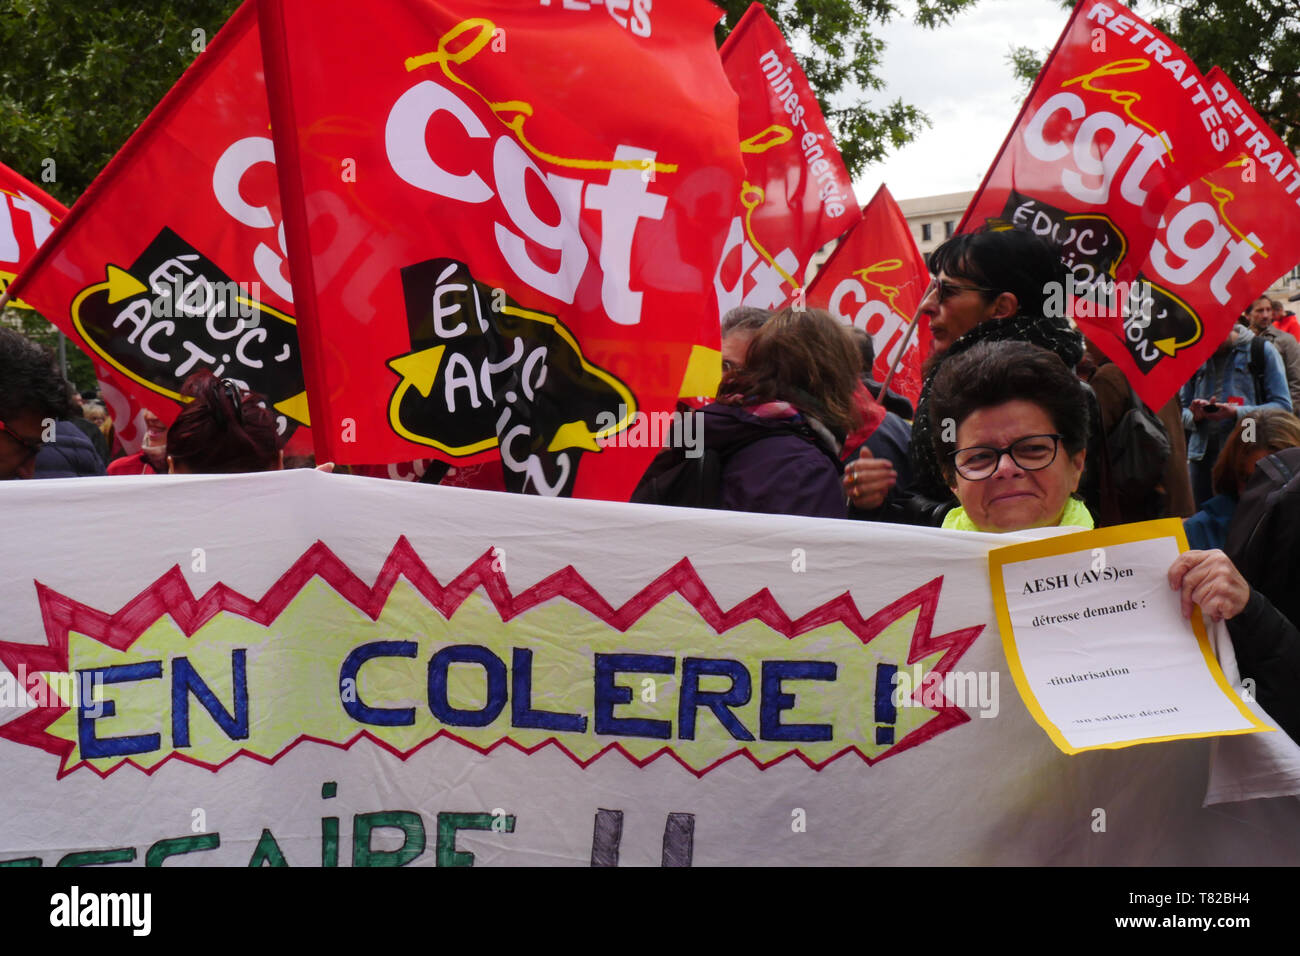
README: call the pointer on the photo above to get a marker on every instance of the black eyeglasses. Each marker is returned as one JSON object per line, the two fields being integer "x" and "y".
{"x": 1032, "y": 453}
{"x": 32, "y": 445}
{"x": 947, "y": 288}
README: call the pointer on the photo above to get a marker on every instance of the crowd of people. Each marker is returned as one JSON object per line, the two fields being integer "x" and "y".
{"x": 1018, "y": 425}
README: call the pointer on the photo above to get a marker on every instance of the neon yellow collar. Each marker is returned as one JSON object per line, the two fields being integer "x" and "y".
{"x": 1075, "y": 515}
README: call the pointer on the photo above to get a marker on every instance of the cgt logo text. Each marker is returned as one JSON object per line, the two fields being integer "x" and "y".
{"x": 75, "y": 908}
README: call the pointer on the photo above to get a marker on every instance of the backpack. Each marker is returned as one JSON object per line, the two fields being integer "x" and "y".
{"x": 676, "y": 479}
{"x": 1257, "y": 367}
{"x": 1139, "y": 449}
{"x": 1264, "y": 536}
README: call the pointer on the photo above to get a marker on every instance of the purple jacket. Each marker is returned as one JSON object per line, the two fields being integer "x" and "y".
{"x": 770, "y": 467}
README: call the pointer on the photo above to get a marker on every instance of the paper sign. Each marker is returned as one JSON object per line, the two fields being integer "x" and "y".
{"x": 1097, "y": 643}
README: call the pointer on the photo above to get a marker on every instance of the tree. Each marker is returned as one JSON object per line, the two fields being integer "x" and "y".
{"x": 1255, "y": 42}
{"x": 846, "y": 55}
{"x": 80, "y": 77}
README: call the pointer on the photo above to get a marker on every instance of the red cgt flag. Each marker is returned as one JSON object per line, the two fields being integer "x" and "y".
{"x": 1118, "y": 122}
{"x": 27, "y": 217}
{"x": 797, "y": 195}
{"x": 503, "y": 222}
{"x": 875, "y": 280}
{"x": 172, "y": 261}
{"x": 1221, "y": 242}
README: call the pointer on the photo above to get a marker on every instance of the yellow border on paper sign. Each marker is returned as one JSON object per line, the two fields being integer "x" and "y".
{"x": 1082, "y": 542}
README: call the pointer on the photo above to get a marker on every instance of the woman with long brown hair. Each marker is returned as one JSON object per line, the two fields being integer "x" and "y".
{"x": 771, "y": 441}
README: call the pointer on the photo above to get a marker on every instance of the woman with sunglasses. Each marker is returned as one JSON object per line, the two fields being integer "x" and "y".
{"x": 992, "y": 286}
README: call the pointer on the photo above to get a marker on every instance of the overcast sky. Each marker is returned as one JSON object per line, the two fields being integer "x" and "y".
{"x": 959, "y": 76}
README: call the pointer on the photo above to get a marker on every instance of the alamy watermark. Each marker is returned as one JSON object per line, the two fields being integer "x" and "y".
{"x": 974, "y": 689}
{"x": 52, "y": 689}
{"x": 1100, "y": 298}
{"x": 201, "y": 298}
{"x": 653, "y": 430}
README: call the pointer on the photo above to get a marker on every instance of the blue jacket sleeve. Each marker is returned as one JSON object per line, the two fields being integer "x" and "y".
{"x": 1276, "y": 391}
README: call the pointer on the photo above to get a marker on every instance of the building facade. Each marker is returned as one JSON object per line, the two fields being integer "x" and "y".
{"x": 934, "y": 218}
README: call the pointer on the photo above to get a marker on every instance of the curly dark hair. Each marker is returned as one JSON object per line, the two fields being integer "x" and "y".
{"x": 225, "y": 430}
{"x": 29, "y": 380}
{"x": 992, "y": 373}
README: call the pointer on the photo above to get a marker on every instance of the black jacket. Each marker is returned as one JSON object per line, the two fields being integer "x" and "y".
{"x": 70, "y": 455}
{"x": 1268, "y": 652}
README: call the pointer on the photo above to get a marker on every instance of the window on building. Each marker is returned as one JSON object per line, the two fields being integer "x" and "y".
{"x": 948, "y": 226}
{"x": 925, "y": 232}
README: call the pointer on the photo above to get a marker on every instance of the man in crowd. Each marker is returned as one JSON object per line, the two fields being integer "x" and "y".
{"x": 738, "y": 327}
{"x": 33, "y": 395}
{"x": 1260, "y": 318}
{"x": 1284, "y": 320}
{"x": 1243, "y": 374}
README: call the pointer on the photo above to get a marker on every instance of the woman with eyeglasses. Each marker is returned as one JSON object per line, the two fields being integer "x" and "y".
{"x": 1014, "y": 462}
{"x": 992, "y": 286}
{"x": 1016, "y": 451}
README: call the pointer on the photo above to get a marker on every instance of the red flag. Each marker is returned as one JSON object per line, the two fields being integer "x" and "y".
{"x": 1118, "y": 122}
{"x": 27, "y": 217}
{"x": 503, "y": 223}
{"x": 797, "y": 195}
{"x": 875, "y": 280}
{"x": 172, "y": 261}
{"x": 1222, "y": 241}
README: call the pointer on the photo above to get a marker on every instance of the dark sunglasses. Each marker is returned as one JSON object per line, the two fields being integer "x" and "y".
{"x": 947, "y": 288}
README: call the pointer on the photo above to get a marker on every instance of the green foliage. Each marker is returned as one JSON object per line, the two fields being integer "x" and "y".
{"x": 79, "y": 77}
{"x": 845, "y": 61}
{"x": 1255, "y": 42}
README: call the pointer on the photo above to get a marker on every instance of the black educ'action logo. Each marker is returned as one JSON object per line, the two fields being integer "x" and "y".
{"x": 484, "y": 371}
{"x": 173, "y": 312}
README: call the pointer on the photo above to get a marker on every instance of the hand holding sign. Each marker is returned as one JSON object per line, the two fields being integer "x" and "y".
{"x": 1098, "y": 649}
{"x": 1210, "y": 579}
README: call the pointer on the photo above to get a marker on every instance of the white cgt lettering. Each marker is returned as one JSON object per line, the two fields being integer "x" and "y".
{"x": 239, "y": 157}
{"x": 1093, "y": 160}
{"x": 511, "y": 167}
{"x": 861, "y": 314}
{"x": 1174, "y": 245}
{"x": 408, "y": 155}
{"x": 621, "y": 201}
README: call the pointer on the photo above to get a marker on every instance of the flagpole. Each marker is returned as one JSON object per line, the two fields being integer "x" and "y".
{"x": 902, "y": 350}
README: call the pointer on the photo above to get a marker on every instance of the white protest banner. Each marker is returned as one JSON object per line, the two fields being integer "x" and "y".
{"x": 305, "y": 669}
